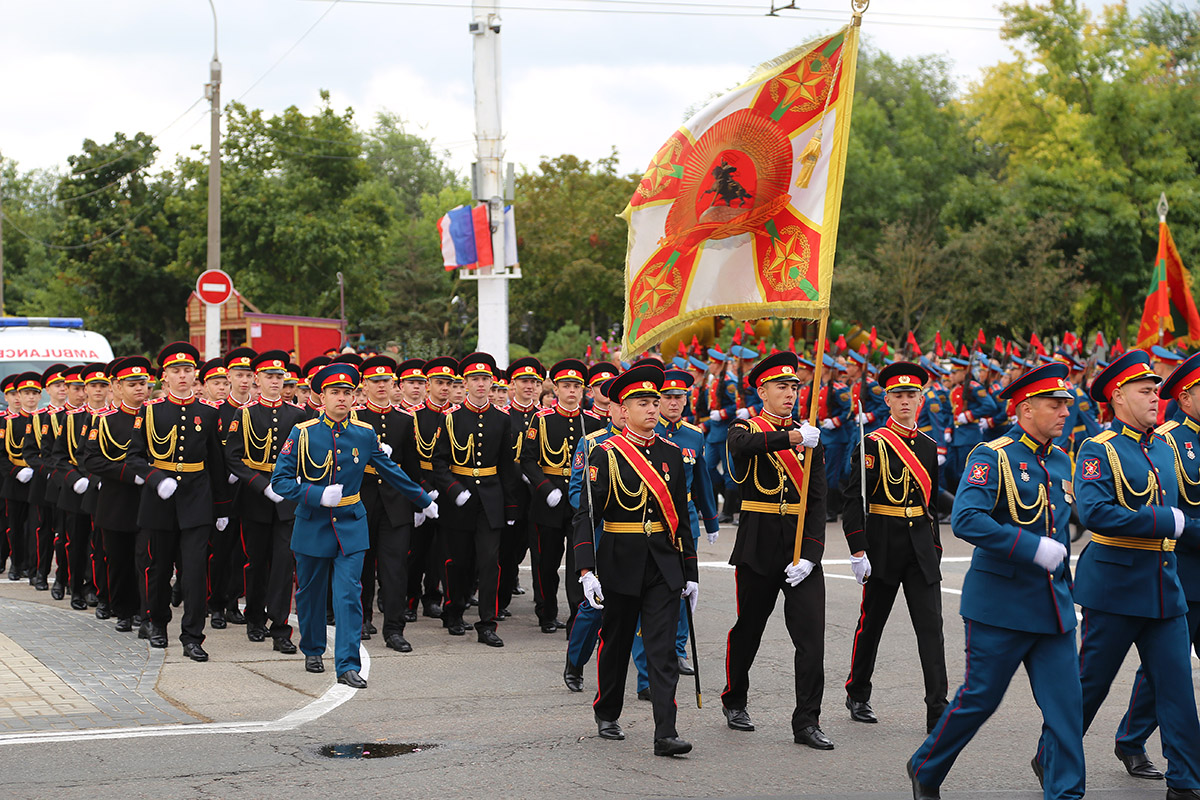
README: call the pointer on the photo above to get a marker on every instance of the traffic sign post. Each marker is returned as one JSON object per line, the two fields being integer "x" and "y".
{"x": 214, "y": 287}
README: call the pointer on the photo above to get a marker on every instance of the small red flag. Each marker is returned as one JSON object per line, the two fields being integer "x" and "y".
{"x": 749, "y": 330}
{"x": 874, "y": 337}
{"x": 981, "y": 339}
{"x": 762, "y": 347}
{"x": 1099, "y": 339}
{"x": 886, "y": 353}
{"x": 792, "y": 344}
{"x": 963, "y": 352}
{"x": 862, "y": 350}
{"x": 999, "y": 345}
{"x": 1117, "y": 348}
{"x": 589, "y": 351}
{"x": 1036, "y": 344}
{"x": 737, "y": 336}
{"x": 841, "y": 342}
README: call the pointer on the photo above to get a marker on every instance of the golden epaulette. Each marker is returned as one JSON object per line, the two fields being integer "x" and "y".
{"x": 696, "y": 428}
{"x": 308, "y": 422}
{"x": 362, "y": 424}
{"x": 1166, "y": 426}
{"x": 996, "y": 444}
{"x": 594, "y": 434}
{"x": 1103, "y": 436}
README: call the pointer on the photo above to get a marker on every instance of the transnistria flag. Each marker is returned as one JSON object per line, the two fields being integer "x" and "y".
{"x": 466, "y": 235}
{"x": 1170, "y": 315}
{"x": 737, "y": 214}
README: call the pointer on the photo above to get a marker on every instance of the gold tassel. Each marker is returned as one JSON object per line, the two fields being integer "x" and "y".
{"x": 809, "y": 159}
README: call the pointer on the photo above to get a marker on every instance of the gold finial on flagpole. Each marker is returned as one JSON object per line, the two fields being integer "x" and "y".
{"x": 1162, "y": 207}
{"x": 859, "y": 6}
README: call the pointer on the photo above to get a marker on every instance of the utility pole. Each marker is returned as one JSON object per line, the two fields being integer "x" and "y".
{"x": 212, "y": 323}
{"x": 489, "y": 179}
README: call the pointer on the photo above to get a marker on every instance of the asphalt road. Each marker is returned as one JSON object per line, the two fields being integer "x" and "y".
{"x": 500, "y": 723}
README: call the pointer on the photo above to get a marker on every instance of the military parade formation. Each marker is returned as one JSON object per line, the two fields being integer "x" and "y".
{"x": 255, "y": 492}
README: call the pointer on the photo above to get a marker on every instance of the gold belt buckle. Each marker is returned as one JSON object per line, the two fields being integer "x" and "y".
{"x": 179, "y": 467}
{"x": 648, "y": 527}
{"x": 475, "y": 473}
{"x": 783, "y": 507}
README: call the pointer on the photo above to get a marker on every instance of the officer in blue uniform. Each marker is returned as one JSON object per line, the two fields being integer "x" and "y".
{"x": 836, "y": 437}
{"x": 972, "y": 406}
{"x": 1016, "y": 598}
{"x": 1126, "y": 580}
{"x": 866, "y": 405}
{"x": 718, "y": 394}
{"x": 1183, "y": 435}
{"x": 748, "y": 398}
{"x": 935, "y": 420}
{"x": 320, "y": 468}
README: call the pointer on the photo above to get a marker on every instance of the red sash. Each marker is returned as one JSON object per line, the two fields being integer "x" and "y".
{"x": 786, "y": 458}
{"x": 654, "y": 482}
{"x": 909, "y": 458}
{"x": 957, "y": 403}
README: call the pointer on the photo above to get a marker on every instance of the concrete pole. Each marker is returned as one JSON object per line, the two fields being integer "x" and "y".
{"x": 212, "y": 314}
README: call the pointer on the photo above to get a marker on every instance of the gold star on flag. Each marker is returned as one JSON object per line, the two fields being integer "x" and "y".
{"x": 789, "y": 260}
{"x": 662, "y": 168}
{"x": 656, "y": 291}
{"x": 805, "y": 88}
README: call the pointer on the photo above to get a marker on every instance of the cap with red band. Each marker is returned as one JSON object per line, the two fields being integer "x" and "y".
{"x": 600, "y": 372}
{"x": 783, "y": 366}
{"x": 377, "y": 367}
{"x": 178, "y": 353}
{"x": 645, "y": 380}
{"x": 94, "y": 373}
{"x": 335, "y": 374}
{"x": 1133, "y": 365}
{"x": 132, "y": 367}
{"x": 1048, "y": 380}
{"x": 441, "y": 367}
{"x": 411, "y": 370}
{"x": 569, "y": 369}
{"x": 1185, "y": 376}
{"x": 903, "y": 376}
{"x": 241, "y": 358}
{"x": 527, "y": 367}
{"x": 477, "y": 364}
{"x": 677, "y": 381}
{"x": 270, "y": 361}
{"x": 29, "y": 380}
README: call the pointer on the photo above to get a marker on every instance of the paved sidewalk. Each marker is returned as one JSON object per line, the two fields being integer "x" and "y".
{"x": 64, "y": 670}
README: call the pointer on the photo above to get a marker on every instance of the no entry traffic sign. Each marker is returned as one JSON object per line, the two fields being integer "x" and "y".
{"x": 214, "y": 287}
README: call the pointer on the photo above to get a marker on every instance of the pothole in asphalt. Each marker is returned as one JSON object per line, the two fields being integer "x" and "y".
{"x": 373, "y": 749}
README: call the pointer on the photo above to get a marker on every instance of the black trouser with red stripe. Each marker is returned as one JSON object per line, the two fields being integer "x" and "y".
{"x": 192, "y": 546}
{"x": 18, "y": 516}
{"x": 925, "y": 610}
{"x": 270, "y": 574}
{"x": 551, "y": 542}
{"x": 470, "y": 553}
{"x": 61, "y": 569}
{"x": 225, "y": 564}
{"x": 77, "y": 528}
{"x": 804, "y": 615}
{"x": 389, "y": 555}
{"x": 658, "y": 609}
{"x": 514, "y": 542}
{"x": 44, "y": 538}
{"x": 97, "y": 566}
{"x": 425, "y": 567}
{"x": 122, "y": 572}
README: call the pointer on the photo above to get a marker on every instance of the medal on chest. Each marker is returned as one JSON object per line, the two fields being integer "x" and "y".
{"x": 196, "y": 422}
{"x": 1025, "y": 472}
{"x": 1191, "y": 454}
{"x": 354, "y": 454}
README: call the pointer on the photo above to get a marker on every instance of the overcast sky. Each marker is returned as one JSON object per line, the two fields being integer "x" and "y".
{"x": 578, "y": 82}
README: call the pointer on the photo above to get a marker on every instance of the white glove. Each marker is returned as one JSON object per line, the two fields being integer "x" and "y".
{"x": 1178, "y": 522}
{"x": 961, "y": 419}
{"x": 743, "y": 413}
{"x": 692, "y": 592}
{"x": 554, "y": 498}
{"x": 712, "y": 537}
{"x": 948, "y": 436}
{"x": 232, "y": 479}
{"x": 433, "y": 494}
{"x": 418, "y": 519}
{"x": 525, "y": 478}
{"x": 80, "y": 486}
{"x": 864, "y": 417}
{"x": 462, "y": 498}
{"x": 715, "y": 416}
{"x": 272, "y": 495}
{"x": 984, "y": 424}
{"x": 827, "y": 424}
{"x": 167, "y": 488}
{"x": 138, "y": 480}
{"x": 25, "y": 474}
{"x": 386, "y": 448}
{"x": 861, "y": 567}
{"x": 1050, "y": 554}
{"x": 510, "y": 522}
{"x": 331, "y": 495}
{"x": 798, "y": 572}
{"x": 99, "y": 485}
{"x": 811, "y": 435}
{"x": 222, "y": 523}
{"x": 430, "y": 511}
{"x": 941, "y": 459}
{"x": 592, "y": 590}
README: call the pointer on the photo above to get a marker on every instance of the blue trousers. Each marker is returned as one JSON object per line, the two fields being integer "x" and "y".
{"x": 581, "y": 638}
{"x": 993, "y": 655}
{"x": 837, "y": 459}
{"x": 716, "y": 453}
{"x": 1166, "y": 655}
{"x": 312, "y": 589}
{"x": 1140, "y": 720}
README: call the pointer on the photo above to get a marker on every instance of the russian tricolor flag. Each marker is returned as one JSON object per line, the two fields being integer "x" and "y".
{"x": 467, "y": 238}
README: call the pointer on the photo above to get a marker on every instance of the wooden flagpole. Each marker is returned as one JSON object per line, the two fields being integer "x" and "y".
{"x": 814, "y": 401}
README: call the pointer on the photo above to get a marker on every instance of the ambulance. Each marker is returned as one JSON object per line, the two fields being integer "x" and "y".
{"x": 31, "y": 344}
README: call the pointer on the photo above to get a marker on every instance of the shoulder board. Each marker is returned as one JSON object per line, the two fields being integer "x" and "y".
{"x": 450, "y": 409}
{"x": 925, "y": 435}
{"x": 1166, "y": 426}
{"x": 156, "y": 401}
{"x": 689, "y": 425}
{"x": 873, "y": 435}
{"x": 79, "y": 410}
{"x": 594, "y": 434}
{"x": 668, "y": 441}
{"x": 403, "y": 410}
{"x": 307, "y": 422}
{"x": 1104, "y": 436}
{"x": 544, "y": 412}
{"x": 996, "y": 444}
{"x": 1061, "y": 449}
{"x": 877, "y": 389}
{"x": 607, "y": 444}
{"x": 211, "y": 404}
{"x": 106, "y": 412}
{"x": 362, "y": 424}
{"x": 359, "y": 408}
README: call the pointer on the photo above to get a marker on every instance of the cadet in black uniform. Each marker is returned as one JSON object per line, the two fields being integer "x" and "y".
{"x": 525, "y": 375}
{"x": 177, "y": 450}
{"x": 474, "y": 470}
{"x": 252, "y": 443}
{"x": 225, "y": 565}
{"x": 646, "y": 556}
{"x": 17, "y": 428}
{"x": 769, "y": 454}
{"x": 426, "y": 563}
{"x": 898, "y": 544}
{"x": 46, "y": 518}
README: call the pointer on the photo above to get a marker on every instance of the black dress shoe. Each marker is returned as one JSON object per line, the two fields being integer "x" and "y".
{"x": 14, "y": 575}
{"x": 726, "y": 518}
{"x": 284, "y": 645}
{"x": 573, "y": 676}
{"x": 473, "y": 600}
{"x": 1183, "y": 794}
{"x": 1138, "y": 765}
{"x": 78, "y": 603}
{"x": 366, "y": 632}
{"x": 352, "y": 679}
{"x": 1038, "y": 772}
{"x": 559, "y": 624}
{"x": 371, "y": 629}
{"x": 58, "y": 591}
{"x": 218, "y": 620}
{"x": 234, "y": 616}
{"x": 432, "y": 610}
{"x": 124, "y": 625}
{"x": 671, "y": 746}
{"x": 457, "y": 629}
{"x": 177, "y": 594}
{"x": 920, "y": 790}
{"x": 861, "y": 711}
{"x": 314, "y": 664}
{"x": 92, "y": 599}
{"x": 144, "y": 629}
{"x": 256, "y": 633}
{"x": 503, "y": 613}
{"x": 738, "y": 719}
{"x": 644, "y": 694}
{"x": 609, "y": 729}
{"x": 158, "y": 636}
{"x": 379, "y": 601}
{"x": 685, "y": 668}
{"x": 195, "y": 652}
{"x": 813, "y": 737}
{"x": 40, "y": 583}
{"x": 397, "y": 642}
{"x": 410, "y": 615}
{"x": 549, "y": 627}
{"x": 102, "y": 611}
{"x": 489, "y": 637}
{"x": 518, "y": 590}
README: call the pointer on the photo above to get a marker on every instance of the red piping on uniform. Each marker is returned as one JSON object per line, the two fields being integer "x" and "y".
{"x": 857, "y": 632}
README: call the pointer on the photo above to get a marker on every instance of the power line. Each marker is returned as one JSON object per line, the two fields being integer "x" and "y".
{"x": 132, "y": 150}
{"x": 86, "y": 245}
{"x": 287, "y": 52}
